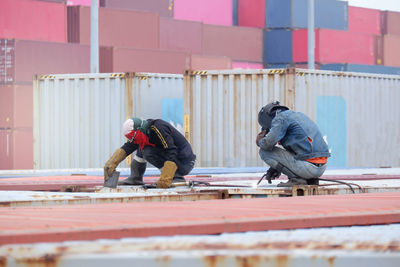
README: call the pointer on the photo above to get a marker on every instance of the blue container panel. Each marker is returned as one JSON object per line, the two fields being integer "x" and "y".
{"x": 278, "y": 14}
{"x": 277, "y": 46}
{"x": 235, "y": 21}
{"x": 331, "y": 14}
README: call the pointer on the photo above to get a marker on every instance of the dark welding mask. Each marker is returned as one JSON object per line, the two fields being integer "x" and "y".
{"x": 267, "y": 113}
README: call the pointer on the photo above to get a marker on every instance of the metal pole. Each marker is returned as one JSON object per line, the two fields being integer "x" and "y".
{"x": 311, "y": 37}
{"x": 94, "y": 37}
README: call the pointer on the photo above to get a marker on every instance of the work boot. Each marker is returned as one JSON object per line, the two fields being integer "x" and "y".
{"x": 292, "y": 182}
{"x": 313, "y": 181}
{"x": 178, "y": 178}
{"x": 137, "y": 172}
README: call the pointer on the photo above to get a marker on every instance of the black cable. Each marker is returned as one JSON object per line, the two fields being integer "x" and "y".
{"x": 338, "y": 181}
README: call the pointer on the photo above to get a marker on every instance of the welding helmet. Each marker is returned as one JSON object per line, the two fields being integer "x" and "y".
{"x": 268, "y": 112}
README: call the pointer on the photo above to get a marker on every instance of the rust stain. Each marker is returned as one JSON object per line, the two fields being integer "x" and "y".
{"x": 331, "y": 261}
{"x": 282, "y": 260}
{"x": 164, "y": 260}
{"x": 3, "y": 261}
{"x": 213, "y": 261}
{"x": 249, "y": 261}
{"x": 48, "y": 260}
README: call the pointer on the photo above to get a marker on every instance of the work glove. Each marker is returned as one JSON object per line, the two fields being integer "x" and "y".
{"x": 167, "y": 174}
{"x": 260, "y": 135}
{"x": 271, "y": 174}
{"x": 109, "y": 168}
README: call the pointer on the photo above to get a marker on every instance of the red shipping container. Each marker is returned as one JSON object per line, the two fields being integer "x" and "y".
{"x": 198, "y": 62}
{"x": 332, "y": 46}
{"x": 378, "y": 50}
{"x": 16, "y": 149}
{"x": 6, "y": 149}
{"x": 364, "y": 20}
{"x": 181, "y": 35}
{"x": 391, "y": 22}
{"x": 16, "y": 106}
{"x": 251, "y": 13}
{"x": 246, "y": 65}
{"x": 163, "y": 7}
{"x": 391, "y": 50}
{"x": 206, "y": 11}
{"x": 23, "y": 59}
{"x": 238, "y": 43}
{"x": 123, "y": 28}
{"x": 33, "y": 20}
{"x": 142, "y": 60}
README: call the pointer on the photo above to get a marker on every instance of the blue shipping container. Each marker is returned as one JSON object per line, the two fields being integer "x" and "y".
{"x": 379, "y": 69}
{"x": 235, "y": 20}
{"x": 277, "y": 46}
{"x": 329, "y": 14}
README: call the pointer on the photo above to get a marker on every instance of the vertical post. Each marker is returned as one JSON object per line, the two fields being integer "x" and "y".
{"x": 311, "y": 37}
{"x": 94, "y": 37}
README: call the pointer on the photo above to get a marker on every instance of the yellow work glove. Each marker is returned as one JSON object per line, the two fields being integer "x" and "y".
{"x": 167, "y": 174}
{"x": 118, "y": 156}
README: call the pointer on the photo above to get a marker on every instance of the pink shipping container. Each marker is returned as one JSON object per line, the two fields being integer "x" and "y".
{"x": 79, "y": 2}
{"x": 22, "y": 59}
{"x": 16, "y": 106}
{"x": 364, "y": 20}
{"x": 181, "y": 35}
{"x": 251, "y": 13}
{"x": 198, "y": 62}
{"x": 117, "y": 27}
{"x": 238, "y": 43}
{"x": 391, "y": 50}
{"x": 16, "y": 149}
{"x": 391, "y": 22}
{"x": 117, "y": 59}
{"x": 33, "y": 20}
{"x": 207, "y": 11}
{"x": 246, "y": 65}
{"x": 164, "y": 8}
{"x": 332, "y": 46}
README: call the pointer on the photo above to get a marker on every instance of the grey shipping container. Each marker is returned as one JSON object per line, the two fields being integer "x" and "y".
{"x": 357, "y": 113}
{"x": 329, "y": 14}
{"x": 362, "y": 68}
{"x": 78, "y": 117}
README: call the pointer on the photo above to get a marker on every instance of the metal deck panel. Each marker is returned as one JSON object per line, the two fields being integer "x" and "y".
{"x": 118, "y": 220}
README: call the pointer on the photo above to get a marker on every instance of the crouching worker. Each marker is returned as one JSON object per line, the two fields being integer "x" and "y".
{"x": 304, "y": 155}
{"x": 156, "y": 142}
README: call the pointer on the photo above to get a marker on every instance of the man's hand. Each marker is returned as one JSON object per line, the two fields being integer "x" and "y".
{"x": 260, "y": 135}
{"x": 109, "y": 168}
{"x": 167, "y": 174}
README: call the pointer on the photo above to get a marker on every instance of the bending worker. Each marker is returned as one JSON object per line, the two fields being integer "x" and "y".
{"x": 156, "y": 142}
{"x": 305, "y": 153}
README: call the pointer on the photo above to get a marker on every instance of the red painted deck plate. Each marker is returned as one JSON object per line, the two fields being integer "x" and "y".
{"x": 90, "y": 222}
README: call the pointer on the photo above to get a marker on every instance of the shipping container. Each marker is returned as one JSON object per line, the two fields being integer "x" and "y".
{"x": 206, "y": 11}
{"x": 329, "y": 14}
{"x": 238, "y": 43}
{"x": 246, "y": 65}
{"x": 20, "y": 60}
{"x": 362, "y": 68}
{"x": 331, "y": 46}
{"x": 78, "y": 117}
{"x": 199, "y": 62}
{"x": 352, "y": 111}
{"x": 364, "y": 20}
{"x": 118, "y": 59}
{"x": 16, "y": 149}
{"x": 251, "y": 13}
{"x": 164, "y": 8}
{"x": 378, "y": 50}
{"x": 80, "y": 2}
{"x": 181, "y": 35}
{"x": 16, "y": 106}
{"x": 390, "y": 22}
{"x": 126, "y": 28}
{"x": 391, "y": 51}
{"x": 33, "y": 20}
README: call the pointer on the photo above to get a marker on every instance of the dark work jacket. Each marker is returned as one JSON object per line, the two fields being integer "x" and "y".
{"x": 164, "y": 136}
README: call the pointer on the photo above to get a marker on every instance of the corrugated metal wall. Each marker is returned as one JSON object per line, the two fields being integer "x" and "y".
{"x": 223, "y": 108}
{"x": 357, "y": 114}
{"x": 78, "y": 117}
